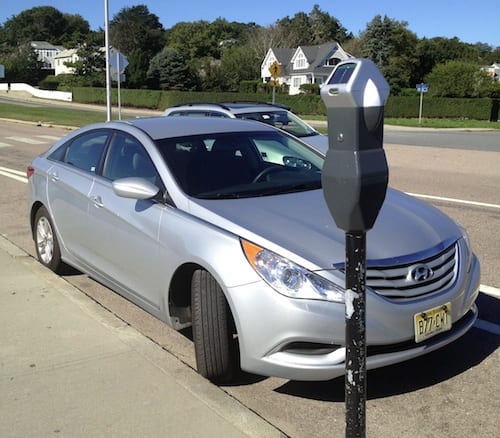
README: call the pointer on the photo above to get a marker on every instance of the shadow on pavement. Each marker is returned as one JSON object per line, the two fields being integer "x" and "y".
{"x": 422, "y": 372}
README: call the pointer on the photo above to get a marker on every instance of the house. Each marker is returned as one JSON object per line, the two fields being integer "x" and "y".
{"x": 63, "y": 57}
{"x": 493, "y": 70}
{"x": 303, "y": 65}
{"x": 46, "y": 53}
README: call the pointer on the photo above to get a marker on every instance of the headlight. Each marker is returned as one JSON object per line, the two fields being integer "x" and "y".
{"x": 467, "y": 248}
{"x": 288, "y": 278}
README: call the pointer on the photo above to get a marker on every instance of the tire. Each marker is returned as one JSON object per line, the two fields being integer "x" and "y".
{"x": 47, "y": 247}
{"x": 213, "y": 328}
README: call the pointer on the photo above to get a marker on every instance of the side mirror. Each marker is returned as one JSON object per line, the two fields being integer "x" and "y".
{"x": 135, "y": 188}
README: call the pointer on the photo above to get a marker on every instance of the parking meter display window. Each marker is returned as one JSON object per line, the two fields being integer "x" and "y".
{"x": 342, "y": 74}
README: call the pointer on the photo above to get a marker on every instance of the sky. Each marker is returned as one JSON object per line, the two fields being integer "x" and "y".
{"x": 471, "y": 22}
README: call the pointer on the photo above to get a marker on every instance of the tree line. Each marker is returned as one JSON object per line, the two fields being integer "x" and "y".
{"x": 220, "y": 55}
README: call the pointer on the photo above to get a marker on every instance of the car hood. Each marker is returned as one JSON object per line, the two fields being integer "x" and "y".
{"x": 299, "y": 226}
{"x": 317, "y": 141}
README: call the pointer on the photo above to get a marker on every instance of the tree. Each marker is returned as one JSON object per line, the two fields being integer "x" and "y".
{"x": 439, "y": 50}
{"x": 90, "y": 66}
{"x": 456, "y": 79}
{"x": 169, "y": 71}
{"x": 238, "y": 64}
{"x": 391, "y": 46}
{"x": 44, "y": 23}
{"x": 135, "y": 28}
{"x": 315, "y": 28}
{"x": 22, "y": 65}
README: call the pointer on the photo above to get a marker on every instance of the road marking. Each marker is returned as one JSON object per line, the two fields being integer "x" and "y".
{"x": 26, "y": 140}
{"x": 13, "y": 174}
{"x": 5, "y": 145}
{"x": 49, "y": 137}
{"x": 490, "y": 290}
{"x": 487, "y": 326}
{"x": 457, "y": 201}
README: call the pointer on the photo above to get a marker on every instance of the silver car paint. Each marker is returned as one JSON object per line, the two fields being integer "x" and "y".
{"x": 159, "y": 238}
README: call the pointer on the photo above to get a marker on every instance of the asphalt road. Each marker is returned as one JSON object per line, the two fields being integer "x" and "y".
{"x": 450, "y": 393}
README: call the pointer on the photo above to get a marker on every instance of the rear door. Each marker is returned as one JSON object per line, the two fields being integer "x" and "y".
{"x": 70, "y": 180}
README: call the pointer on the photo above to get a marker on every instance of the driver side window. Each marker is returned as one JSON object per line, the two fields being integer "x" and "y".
{"x": 128, "y": 158}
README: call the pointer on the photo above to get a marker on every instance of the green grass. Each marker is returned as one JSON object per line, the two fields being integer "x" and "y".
{"x": 78, "y": 117}
{"x": 48, "y": 115}
{"x": 444, "y": 123}
{"x": 426, "y": 123}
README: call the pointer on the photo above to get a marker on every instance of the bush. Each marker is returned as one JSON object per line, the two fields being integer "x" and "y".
{"x": 309, "y": 88}
{"x": 49, "y": 83}
{"x": 311, "y": 104}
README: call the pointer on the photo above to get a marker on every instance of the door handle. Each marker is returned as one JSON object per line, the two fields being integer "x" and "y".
{"x": 54, "y": 176}
{"x": 97, "y": 200}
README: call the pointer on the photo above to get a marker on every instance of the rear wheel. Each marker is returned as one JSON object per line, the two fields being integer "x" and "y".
{"x": 46, "y": 244}
{"x": 213, "y": 329}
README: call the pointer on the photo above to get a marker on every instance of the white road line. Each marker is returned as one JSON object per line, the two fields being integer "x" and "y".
{"x": 26, "y": 140}
{"x": 457, "y": 201}
{"x": 48, "y": 137}
{"x": 487, "y": 326}
{"x": 490, "y": 290}
{"x": 13, "y": 175}
{"x": 5, "y": 145}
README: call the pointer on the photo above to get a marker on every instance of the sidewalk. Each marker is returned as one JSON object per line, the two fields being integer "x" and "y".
{"x": 69, "y": 368}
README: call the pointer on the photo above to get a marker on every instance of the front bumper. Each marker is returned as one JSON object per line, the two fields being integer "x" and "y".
{"x": 304, "y": 339}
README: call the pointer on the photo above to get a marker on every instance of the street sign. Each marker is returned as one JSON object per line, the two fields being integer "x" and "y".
{"x": 117, "y": 60}
{"x": 274, "y": 83}
{"x": 275, "y": 70}
{"x": 423, "y": 88}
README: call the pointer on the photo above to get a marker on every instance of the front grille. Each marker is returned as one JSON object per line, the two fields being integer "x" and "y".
{"x": 411, "y": 280}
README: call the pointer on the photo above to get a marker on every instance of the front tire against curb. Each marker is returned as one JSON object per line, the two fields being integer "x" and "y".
{"x": 46, "y": 244}
{"x": 213, "y": 329}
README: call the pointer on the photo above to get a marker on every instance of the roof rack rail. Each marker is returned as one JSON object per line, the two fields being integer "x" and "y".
{"x": 256, "y": 102}
{"x": 220, "y": 105}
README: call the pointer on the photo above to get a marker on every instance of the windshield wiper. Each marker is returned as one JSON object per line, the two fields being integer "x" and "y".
{"x": 292, "y": 188}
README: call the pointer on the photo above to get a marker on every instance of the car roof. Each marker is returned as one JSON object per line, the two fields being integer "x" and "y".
{"x": 233, "y": 107}
{"x": 165, "y": 127}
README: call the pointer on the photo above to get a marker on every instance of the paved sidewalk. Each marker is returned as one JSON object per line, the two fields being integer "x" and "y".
{"x": 70, "y": 368}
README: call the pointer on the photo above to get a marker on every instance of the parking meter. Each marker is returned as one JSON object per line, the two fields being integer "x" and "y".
{"x": 354, "y": 179}
{"x": 355, "y": 172}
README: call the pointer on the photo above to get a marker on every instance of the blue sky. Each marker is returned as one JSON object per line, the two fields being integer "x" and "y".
{"x": 471, "y": 22}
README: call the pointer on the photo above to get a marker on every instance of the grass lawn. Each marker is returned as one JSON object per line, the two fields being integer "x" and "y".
{"x": 78, "y": 117}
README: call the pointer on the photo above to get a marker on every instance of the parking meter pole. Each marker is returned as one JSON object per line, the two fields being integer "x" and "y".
{"x": 355, "y": 322}
{"x": 354, "y": 179}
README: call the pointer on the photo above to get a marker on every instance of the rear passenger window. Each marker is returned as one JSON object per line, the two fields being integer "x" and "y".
{"x": 84, "y": 152}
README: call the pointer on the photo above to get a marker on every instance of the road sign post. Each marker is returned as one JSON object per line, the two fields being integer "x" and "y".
{"x": 354, "y": 178}
{"x": 275, "y": 70}
{"x": 118, "y": 63}
{"x": 422, "y": 88}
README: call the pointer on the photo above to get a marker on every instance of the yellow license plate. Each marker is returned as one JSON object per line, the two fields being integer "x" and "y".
{"x": 432, "y": 321}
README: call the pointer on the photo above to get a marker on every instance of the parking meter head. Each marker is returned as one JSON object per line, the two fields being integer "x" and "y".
{"x": 355, "y": 172}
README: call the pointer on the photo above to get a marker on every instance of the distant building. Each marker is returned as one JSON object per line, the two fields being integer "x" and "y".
{"x": 304, "y": 64}
{"x": 60, "y": 60}
{"x": 46, "y": 53}
{"x": 493, "y": 70}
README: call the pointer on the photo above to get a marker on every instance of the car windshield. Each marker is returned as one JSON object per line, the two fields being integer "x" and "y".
{"x": 281, "y": 119}
{"x": 241, "y": 164}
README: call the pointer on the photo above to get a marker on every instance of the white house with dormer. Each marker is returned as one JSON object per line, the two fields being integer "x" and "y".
{"x": 303, "y": 65}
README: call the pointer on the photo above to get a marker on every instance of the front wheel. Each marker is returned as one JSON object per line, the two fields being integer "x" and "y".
{"x": 214, "y": 332}
{"x": 46, "y": 244}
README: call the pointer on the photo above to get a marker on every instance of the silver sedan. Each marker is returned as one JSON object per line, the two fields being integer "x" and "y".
{"x": 221, "y": 224}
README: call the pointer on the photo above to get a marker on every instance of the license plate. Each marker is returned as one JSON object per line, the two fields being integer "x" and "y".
{"x": 432, "y": 321}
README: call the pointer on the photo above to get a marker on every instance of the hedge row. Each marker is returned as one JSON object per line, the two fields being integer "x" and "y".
{"x": 397, "y": 106}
